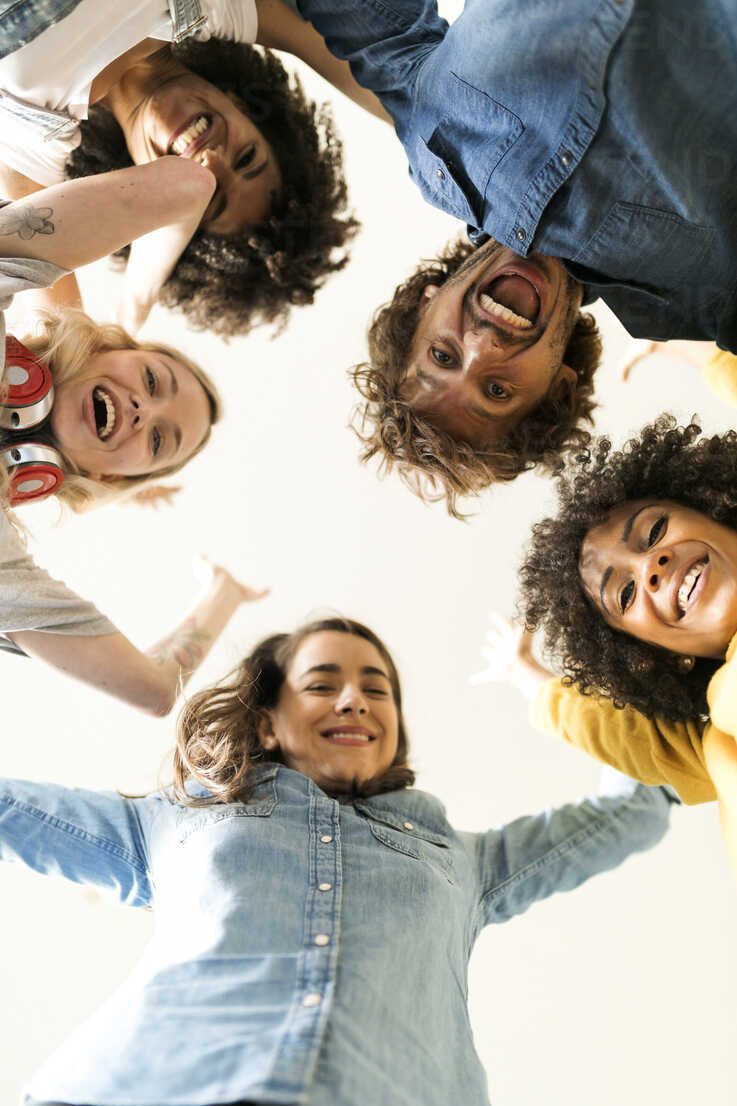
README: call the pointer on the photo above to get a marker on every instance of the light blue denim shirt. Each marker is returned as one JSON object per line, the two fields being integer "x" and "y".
{"x": 297, "y": 934}
{"x": 603, "y": 132}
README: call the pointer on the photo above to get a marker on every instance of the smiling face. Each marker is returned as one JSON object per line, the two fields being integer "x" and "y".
{"x": 336, "y": 720}
{"x": 164, "y": 108}
{"x": 489, "y": 344}
{"x": 130, "y": 413}
{"x": 665, "y": 574}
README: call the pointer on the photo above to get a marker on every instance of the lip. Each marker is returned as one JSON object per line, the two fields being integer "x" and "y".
{"x": 348, "y": 735}
{"x": 698, "y": 590}
{"x": 199, "y": 142}
{"x": 530, "y": 272}
{"x": 88, "y": 412}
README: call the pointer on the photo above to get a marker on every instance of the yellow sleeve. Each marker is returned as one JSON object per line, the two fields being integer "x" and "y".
{"x": 720, "y": 374}
{"x": 721, "y": 695}
{"x": 721, "y": 757}
{"x": 653, "y": 751}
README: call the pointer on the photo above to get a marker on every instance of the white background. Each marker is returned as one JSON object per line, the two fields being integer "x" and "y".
{"x": 623, "y": 991}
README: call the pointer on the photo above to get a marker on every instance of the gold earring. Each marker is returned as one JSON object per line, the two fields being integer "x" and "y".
{"x": 685, "y": 664}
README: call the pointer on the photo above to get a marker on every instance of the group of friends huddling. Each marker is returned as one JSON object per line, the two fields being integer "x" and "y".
{"x": 589, "y": 150}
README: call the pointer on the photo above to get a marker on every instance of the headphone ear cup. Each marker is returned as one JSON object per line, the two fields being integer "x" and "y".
{"x": 35, "y": 471}
{"x": 30, "y": 388}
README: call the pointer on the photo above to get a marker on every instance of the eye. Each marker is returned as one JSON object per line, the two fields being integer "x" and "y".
{"x": 319, "y": 687}
{"x": 380, "y": 692}
{"x": 657, "y": 530}
{"x": 246, "y": 158}
{"x": 155, "y": 441}
{"x": 151, "y": 381}
{"x": 496, "y": 391}
{"x": 440, "y": 356}
{"x": 625, "y": 596}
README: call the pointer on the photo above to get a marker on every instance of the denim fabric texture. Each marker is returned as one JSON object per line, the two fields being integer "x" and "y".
{"x": 23, "y": 20}
{"x": 603, "y": 132}
{"x": 297, "y": 935}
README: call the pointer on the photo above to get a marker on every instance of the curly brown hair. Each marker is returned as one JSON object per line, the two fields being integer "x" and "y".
{"x": 227, "y": 284}
{"x": 432, "y": 463}
{"x": 218, "y": 736}
{"x": 665, "y": 462}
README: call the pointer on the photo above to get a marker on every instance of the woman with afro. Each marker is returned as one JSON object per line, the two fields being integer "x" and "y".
{"x": 634, "y": 587}
{"x": 95, "y": 86}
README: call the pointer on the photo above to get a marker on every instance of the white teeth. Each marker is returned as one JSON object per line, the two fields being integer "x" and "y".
{"x": 504, "y": 313}
{"x": 352, "y": 736}
{"x": 103, "y": 397}
{"x": 689, "y": 580}
{"x": 183, "y": 140}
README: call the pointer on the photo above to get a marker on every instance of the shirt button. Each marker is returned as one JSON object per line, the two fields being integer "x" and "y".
{"x": 326, "y": 838}
{"x": 324, "y": 886}
{"x": 566, "y": 157}
{"x": 408, "y": 825}
{"x": 440, "y": 174}
{"x": 312, "y": 999}
{"x": 322, "y": 939}
{"x": 521, "y": 234}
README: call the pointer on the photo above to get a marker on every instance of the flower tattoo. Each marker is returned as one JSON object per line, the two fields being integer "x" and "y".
{"x": 26, "y": 221}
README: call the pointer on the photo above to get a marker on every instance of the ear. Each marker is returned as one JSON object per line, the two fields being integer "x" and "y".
{"x": 565, "y": 380}
{"x": 429, "y": 292}
{"x": 266, "y": 734}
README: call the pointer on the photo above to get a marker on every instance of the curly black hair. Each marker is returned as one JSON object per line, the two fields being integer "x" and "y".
{"x": 229, "y": 284}
{"x": 666, "y": 461}
{"x": 430, "y": 461}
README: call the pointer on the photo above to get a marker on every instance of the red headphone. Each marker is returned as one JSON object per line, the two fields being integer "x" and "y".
{"x": 33, "y": 465}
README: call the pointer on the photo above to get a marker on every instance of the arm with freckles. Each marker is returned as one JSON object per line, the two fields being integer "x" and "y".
{"x": 150, "y": 680}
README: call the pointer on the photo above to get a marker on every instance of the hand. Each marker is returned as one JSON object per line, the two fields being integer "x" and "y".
{"x": 640, "y": 352}
{"x": 507, "y": 644}
{"x": 217, "y": 577}
{"x": 508, "y": 655}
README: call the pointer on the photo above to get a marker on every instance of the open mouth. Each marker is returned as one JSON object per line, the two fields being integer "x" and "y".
{"x": 510, "y": 298}
{"x": 104, "y": 411}
{"x": 689, "y": 589}
{"x": 348, "y": 736}
{"x": 189, "y": 138}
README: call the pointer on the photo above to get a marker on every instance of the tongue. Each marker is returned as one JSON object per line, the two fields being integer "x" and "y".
{"x": 517, "y": 294}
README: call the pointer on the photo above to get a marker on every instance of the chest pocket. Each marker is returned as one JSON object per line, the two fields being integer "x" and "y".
{"x": 408, "y": 837}
{"x": 261, "y": 805}
{"x": 454, "y": 165}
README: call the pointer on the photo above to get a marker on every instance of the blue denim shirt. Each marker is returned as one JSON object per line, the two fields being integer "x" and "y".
{"x": 603, "y": 132}
{"x": 298, "y": 934}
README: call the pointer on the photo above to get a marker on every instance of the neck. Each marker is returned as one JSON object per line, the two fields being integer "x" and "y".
{"x": 123, "y": 84}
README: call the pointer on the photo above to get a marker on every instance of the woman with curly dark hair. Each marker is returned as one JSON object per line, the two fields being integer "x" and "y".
{"x": 277, "y": 224}
{"x": 634, "y": 586}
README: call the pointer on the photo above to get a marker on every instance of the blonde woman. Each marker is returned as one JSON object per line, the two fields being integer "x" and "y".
{"x": 121, "y": 414}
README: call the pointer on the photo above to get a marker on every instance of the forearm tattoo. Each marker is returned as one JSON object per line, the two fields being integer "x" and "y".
{"x": 25, "y": 221}
{"x": 186, "y": 645}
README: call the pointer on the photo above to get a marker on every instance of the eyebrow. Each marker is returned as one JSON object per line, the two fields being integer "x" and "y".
{"x": 481, "y": 413}
{"x": 367, "y": 670}
{"x": 626, "y": 531}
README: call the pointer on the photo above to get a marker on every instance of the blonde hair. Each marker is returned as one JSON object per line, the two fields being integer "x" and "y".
{"x": 66, "y": 340}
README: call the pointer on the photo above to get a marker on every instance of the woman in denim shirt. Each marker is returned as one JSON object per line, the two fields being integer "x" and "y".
{"x": 313, "y": 909}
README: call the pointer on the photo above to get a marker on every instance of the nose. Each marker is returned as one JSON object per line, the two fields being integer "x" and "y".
{"x": 139, "y": 411}
{"x": 654, "y": 567}
{"x": 481, "y": 348}
{"x": 351, "y": 701}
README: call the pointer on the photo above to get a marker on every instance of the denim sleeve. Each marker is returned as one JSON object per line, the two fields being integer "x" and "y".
{"x": 383, "y": 40}
{"x": 533, "y": 857}
{"x": 91, "y": 837}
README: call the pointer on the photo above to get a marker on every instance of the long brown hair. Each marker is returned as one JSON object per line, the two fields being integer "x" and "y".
{"x": 218, "y": 739}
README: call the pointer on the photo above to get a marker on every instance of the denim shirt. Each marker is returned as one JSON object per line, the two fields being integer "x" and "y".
{"x": 298, "y": 935}
{"x": 602, "y": 132}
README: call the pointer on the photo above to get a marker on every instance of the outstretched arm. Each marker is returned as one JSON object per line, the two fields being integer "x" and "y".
{"x": 150, "y": 680}
{"x": 280, "y": 28}
{"x": 721, "y": 760}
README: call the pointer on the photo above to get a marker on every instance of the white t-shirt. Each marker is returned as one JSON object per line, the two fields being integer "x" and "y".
{"x": 57, "y": 68}
{"x": 30, "y": 599}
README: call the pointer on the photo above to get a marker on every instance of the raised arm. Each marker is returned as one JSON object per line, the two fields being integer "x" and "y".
{"x": 533, "y": 857}
{"x": 150, "y": 680}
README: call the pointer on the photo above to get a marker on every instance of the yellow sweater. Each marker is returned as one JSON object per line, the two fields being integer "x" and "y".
{"x": 652, "y": 750}
{"x": 720, "y": 374}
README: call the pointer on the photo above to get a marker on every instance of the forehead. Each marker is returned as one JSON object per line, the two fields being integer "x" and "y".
{"x": 335, "y": 647}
